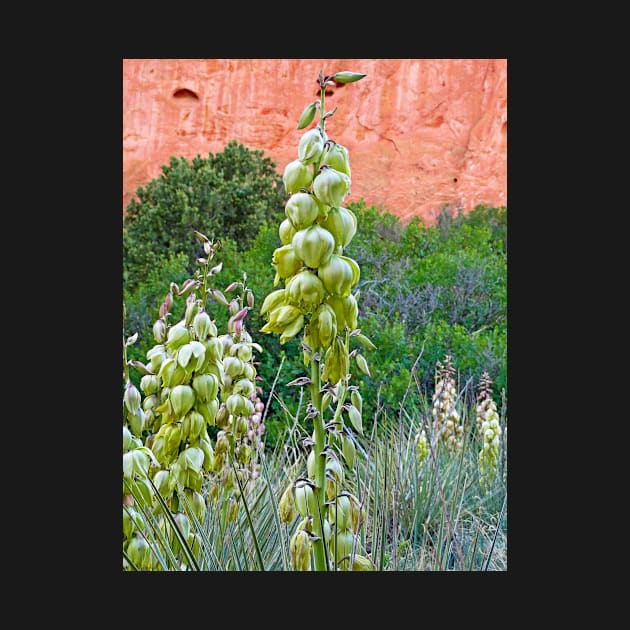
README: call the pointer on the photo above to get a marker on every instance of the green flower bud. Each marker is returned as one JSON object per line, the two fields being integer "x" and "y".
{"x": 159, "y": 331}
{"x": 156, "y": 355}
{"x": 178, "y": 335}
{"x": 302, "y": 210}
{"x": 286, "y": 261}
{"x": 362, "y": 364}
{"x": 274, "y": 299}
{"x": 127, "y": 439}
{"x": 361, "y": 563}
{"x": 198, "y": 506}
{"x": 337, "y": 304}
{"x": 149, "y": 384}
{"x": 292, "y": 329}
{"x": 132, "y": 398}
{"x": 182, "y": 398}
{"x": 334, "y": 478}
{"x": 183, "y": 524}
{"x": 297, "y": 175}
{"x": 286, "y": 231}
{"x": 130, "y": 517}
{"x": 310, "y": 464}
{"x": 311, "y": 146}
{"x": 192, "y": 308}
{"x": 204, "y": 326}
{"x": 280, "y": 318}
{"x": 342, "y": 224}
{"x": 357, "y": 512}
{"x": 139, "y": 552}
{"x": 305, "y": 499}
{"x": 214, "y": 349}
{"x": 164, "y": 483}
{"x": 197, "y": 425}
{"x": 172, "y": 438}
{"x": 171, "y": 373}
{"x": 308, "y": 115}
{"x": 233, "y": 366}
{"x": 244, "y": 387}
{"x": 349, "y": 450}
{"x": 350, "y": 311}
{"x": 305, "y": 290}
{"x": 336, "y": 156}
{"x": 236, "y": 405}
{"x": 136, "y": 422}
{"x": 347, "y": 77}
{"x": 300, "y": 547}
{"x": 325, "y": 323}
{"x": 140, "y": 462}
{"x": 209, "y": 410}
{"x": 314, "y": 245}
{"x": 336, "y": 275}
{"x": 331, "y": 186}
{"x": 357, "y": 400}
{"x": 339, "y": 513}
{"x": 341, "y": 544}
{"x": 206, "y": 387}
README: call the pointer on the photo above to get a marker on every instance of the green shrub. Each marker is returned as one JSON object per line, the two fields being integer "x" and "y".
{"x": 225, "y": 196}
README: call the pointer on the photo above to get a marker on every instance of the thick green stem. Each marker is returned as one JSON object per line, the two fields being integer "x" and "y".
{"x": 320, "y": 465}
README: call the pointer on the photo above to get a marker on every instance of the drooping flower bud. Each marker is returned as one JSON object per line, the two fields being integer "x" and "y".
{"x": 305, "y": 290}
{"x": 314, "y": 245}
{"x": 336, "y": 156}
{"x": 286, "y": 231}
{"x": 136, "y": 422}
{"x": 361, "y": 563}
{"x": 192, "y": 307}
{"x": 331, "y": 186}
{"x": 178, "y": 335}
{"x": 308, "y": 115}
{"x": 286, "y": 261}
{"x": 324, "y": 324}
{"x": 274, "y": 299}
{"x": 342, "y": 224}
{"x": 206, "y": 386}
{"x": 159, "y": 331}
{"x": 339, "y": 513}
{"x": 300, "y": 547}
{"x": 305, "y": 499}
{"x": 287, "y": 505}
{"x": 341, "y": 544}
{"x": 292, "y": 329}
{"x": 139, "y": 552}
{"x": 311, "y": 146}
{"x": 302, "y": 210}
{"x": 204, "y": 326}
{"x": 297, "y": 175}
{"x": 337, "y": 275}
{"x": 127, "y": 439}
{"x": 182, "y": 398}
{"x": 132, "y": 398}
{"x": 149, "y": 384}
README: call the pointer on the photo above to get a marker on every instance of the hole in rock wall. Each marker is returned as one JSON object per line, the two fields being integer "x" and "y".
{"x": 185, "y": 94}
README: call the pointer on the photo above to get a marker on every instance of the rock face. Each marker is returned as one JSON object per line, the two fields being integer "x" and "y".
{"x": 421, "y": 133}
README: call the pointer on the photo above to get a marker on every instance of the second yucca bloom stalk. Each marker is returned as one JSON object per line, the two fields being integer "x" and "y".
{"x": 318, "y": 299}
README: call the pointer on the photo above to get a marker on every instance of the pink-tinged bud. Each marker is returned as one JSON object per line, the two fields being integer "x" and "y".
{"x": 311, "y": 146}
{"x": 241, "y": 314}
{"x": 297, "y": 175}
{"x": 132, "y": 398}
{"x": 259, "y": 406}
{"x": 215, "y": 270}
{"x": 182, "y": 399}
{"x": 219, "y": 297}
{"x": 314, "y": 245}
{"x": 231, "y": 287}
{"x": 238, "y": 327}
{"x": 251, "y": 435}
{"x": 165, "y": 307}
{"x": 250, "y": 298}
{"x": 302, "y": 210}
{"x": 342, "y": 224}
{"x": 336, "y": 156}
{"x": 234, "y": 307}
{"x": 331, "y": 186}
{"x": 159, "y": 331}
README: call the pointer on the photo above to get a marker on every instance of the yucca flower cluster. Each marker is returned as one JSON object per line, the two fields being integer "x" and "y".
{"x": 446, "y": 419}
{"x": 318, "y": 298}
{"x": 422, "y": 448}
{"x": 239, "y": 418}
{"x": 489, "y": 430}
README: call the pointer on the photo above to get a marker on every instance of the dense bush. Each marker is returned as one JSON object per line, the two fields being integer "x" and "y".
{"x": 225, "y": 196}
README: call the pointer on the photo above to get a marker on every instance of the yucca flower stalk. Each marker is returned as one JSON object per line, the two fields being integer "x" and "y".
{"x": 446, "y": 419}
{"x": 489, "y": 430}
{"x": 235, "y": 463}
{"x": 318, "y": 300}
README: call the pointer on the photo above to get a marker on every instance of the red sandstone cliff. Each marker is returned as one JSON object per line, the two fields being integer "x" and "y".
{"x": 421, "y": 133}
